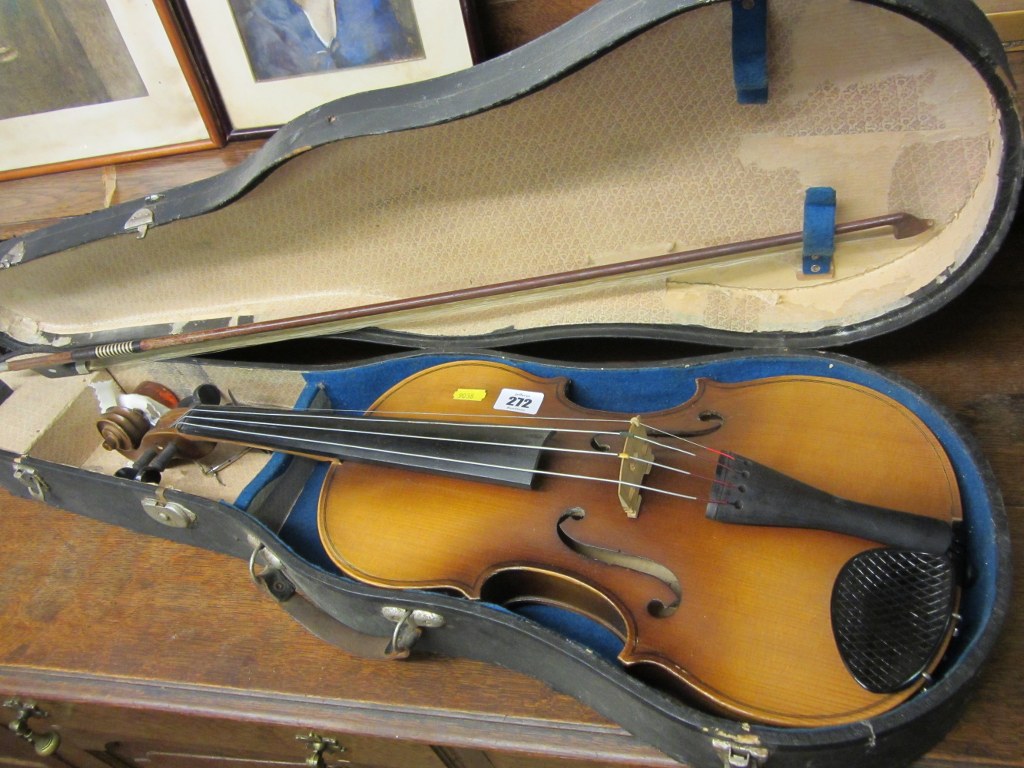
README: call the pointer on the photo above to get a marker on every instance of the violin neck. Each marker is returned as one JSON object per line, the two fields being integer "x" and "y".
{"x": 482, "y": 452}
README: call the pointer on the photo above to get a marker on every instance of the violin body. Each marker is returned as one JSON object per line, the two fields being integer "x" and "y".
{"x": 780, "y": 550}
{"x": 737, "y": 618}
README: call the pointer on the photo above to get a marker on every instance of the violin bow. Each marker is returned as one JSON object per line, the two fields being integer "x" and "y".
{"x": 96, "y": 356}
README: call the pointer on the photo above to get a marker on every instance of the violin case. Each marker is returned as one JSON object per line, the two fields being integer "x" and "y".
{"x": 639, "y": 128}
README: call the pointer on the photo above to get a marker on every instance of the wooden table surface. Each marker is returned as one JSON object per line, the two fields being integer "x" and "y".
{"x": 91, "y": 611}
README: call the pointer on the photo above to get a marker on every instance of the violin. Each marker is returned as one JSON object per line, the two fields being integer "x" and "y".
{"x": 781, "y": 550}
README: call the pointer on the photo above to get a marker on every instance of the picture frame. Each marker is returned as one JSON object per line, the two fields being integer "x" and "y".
{"x": 95, "y": 82}
{"x": 267, "y": 63}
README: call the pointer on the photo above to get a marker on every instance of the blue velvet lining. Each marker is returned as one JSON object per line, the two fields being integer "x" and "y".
{"x": 750, "y": 50}
{"x": 819, "y": 230}
{"x": 584, "y": 631}
{"x": 638, "y": 390}
{"x": 277, "y": 463}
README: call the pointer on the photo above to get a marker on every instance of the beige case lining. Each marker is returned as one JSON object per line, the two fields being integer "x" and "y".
{"x": 55, "y": 420}
{"x": 644, "y": 151}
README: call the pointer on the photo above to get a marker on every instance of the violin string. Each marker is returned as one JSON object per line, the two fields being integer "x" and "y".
{"x": 360, "y": 416}
{"x": 687, "y": 440}
{"x": 211, "y": 422}
{"x": 673, "y": 448}
{"x": 376, "y": 414}
{"x": 468, "y": 462}
{"x": 339, "y": 416}
{"x": 202, "y": 420}
{"x": 200, "y": 412}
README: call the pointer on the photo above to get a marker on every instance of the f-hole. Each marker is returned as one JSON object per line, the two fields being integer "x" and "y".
{"x": 713, "y": 419}
{"x": 635, "y": 563}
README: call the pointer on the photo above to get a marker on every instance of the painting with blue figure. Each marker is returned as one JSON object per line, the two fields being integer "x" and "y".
{"x": 291, "y": 38}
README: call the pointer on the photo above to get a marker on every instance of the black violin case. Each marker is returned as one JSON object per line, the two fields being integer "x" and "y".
{"x": 639, "y": 128}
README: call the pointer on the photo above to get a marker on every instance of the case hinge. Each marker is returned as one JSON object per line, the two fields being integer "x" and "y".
{"x": 140, "y": 222}
{"x": 31, "y": 479}
{"x": 736, "y": 755}
{"x": 13, "y": 256}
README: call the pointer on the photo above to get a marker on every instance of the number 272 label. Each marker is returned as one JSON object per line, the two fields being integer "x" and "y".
{"x": 519, "y": 401}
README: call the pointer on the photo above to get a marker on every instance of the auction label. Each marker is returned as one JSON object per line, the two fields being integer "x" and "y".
{"x": 470, "y": 395}
{"x": 519, "y": 401}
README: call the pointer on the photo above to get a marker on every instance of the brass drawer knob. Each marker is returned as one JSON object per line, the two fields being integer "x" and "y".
{"x": 45, "y": 744}
{"x": 319, "y": 747}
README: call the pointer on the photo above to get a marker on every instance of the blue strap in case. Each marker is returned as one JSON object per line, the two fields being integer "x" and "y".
{"x": 750, "y": 50}
{"x": 819, "y": 231}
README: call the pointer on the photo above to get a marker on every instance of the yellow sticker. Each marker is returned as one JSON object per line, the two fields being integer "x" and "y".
{"x": 474, "y": 395}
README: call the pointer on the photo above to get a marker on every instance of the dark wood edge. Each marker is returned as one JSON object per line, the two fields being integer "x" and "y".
{"x": 460, "y": 729}
{"x": 189, "y": 67}
{"x": 203, "y": 72}
{"x": 474, "y": 35}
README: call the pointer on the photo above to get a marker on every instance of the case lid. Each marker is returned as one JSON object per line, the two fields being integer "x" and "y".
{"x": 617, "y": 136}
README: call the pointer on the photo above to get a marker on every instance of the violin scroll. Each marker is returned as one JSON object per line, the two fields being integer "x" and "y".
{"x": 126, "y": 418}
{"x": 122, "y": 429}
{"x": 127, "y": 421}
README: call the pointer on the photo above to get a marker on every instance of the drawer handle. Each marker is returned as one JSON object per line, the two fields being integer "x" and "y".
{"x": 45, "y": 744}
{"x": 318, "y": 747}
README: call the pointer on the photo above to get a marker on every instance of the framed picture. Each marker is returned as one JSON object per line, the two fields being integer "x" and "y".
{"x": 272, "y": 60}
{"x": 89, "y": 82}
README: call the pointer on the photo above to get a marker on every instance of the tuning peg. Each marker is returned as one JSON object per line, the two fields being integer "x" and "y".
{"x": 204, "y": 394}
{"x": 132, "y": 472}
{"x": 152, "y": 472}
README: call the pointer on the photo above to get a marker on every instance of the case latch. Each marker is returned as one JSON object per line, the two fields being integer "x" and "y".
{"x": 396, "y": 645}
{"x": 31, "y": 479}
{"x": 736, "y": 755}
{"x": 169, "y": 513}
{"x": 409, "y": 625}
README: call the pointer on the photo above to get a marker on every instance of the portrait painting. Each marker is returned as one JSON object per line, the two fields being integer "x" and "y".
{"x": 272, "y": 60}
{"x": 291, "y": 38}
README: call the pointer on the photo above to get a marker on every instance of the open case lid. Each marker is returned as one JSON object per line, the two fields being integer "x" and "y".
{"x": 617, "y": 136}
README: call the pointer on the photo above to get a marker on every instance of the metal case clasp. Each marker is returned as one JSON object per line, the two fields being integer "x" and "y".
{"x": 736, "y": 755}
{"x": 169, "y": 513}
{"x": 31, "y": 479}
{"x": 409, "y": 625}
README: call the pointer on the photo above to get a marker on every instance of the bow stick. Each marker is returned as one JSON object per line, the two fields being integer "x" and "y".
{"x": 95, "y": 356}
